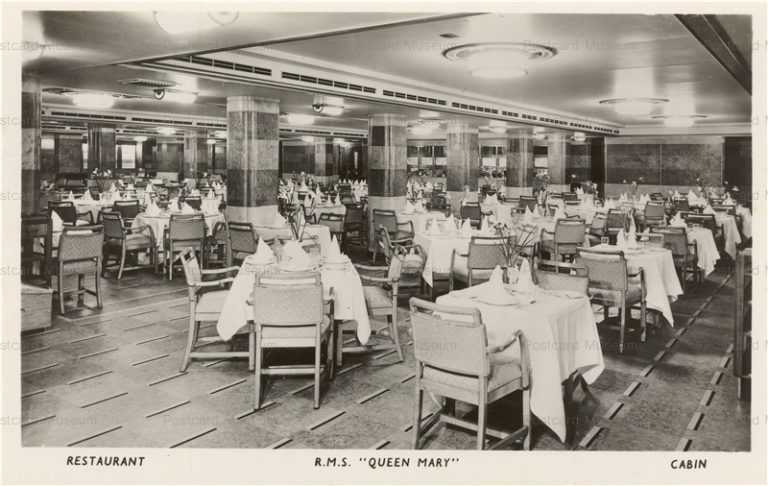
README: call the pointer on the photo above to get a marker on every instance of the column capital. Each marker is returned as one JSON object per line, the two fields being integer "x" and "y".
{"x": 253, "y": 103}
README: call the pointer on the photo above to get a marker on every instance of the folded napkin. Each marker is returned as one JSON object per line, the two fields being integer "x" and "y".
{"x": 147, "y": 198}
{"x": 334, "y": 253}
{"x": 466, "y": 229}
{"x": 676, "y": 194}
{"x": 434, "y": 227}
{"x": 57, "y": 222}
{"x": 621, "y": 240}
{"x": 308, "y": 200}
{"x": 279, "y": 221}
{"x": 130, "y": 187}
{"x": 677, "y": 221}
{"x": 708, "y": 210}
{"x": 71, "y": 196}
{"x": 112, "y": 188}
{"x": 632, "y": 239}
{"x": 187, "y": 209}
{"x": 337, "y": 201}
{"x": 528, "y": 216}
{"x": 409, "y": 207}
{"x": 149, "y": 188}
{"x": 450, "y": 223}
{"x": 646, "y": 235}
{"x": 295, "y": 255}
{"x": 420, "y": 208}
{"x": 152, "y": 209}
{"x": 632, "y": 227}
{"x": 87, "y": 196}
{"x": 263, "y": 255}
{"x": 579, "y": 191}
{"x": 524, "y": 280}
{"x": 210, "y": 194}
{"x": 319, "y": 193}
{"x": 492, "y": 200}
{"x": 484, "y": 225}
{"x": 559, "y": 213}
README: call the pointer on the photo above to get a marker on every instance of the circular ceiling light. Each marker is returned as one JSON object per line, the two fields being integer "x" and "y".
{"x": 299, "y": 119}
{"x": 220, "y": 134}
{"x": 307, "y": 139}
{"x": 177, "y": 97}
{"x": 499, "y": 60}
{"x": 140, "y": 138}
{"x": 579, "y": 137}
{"x": 167, "y": 131}
{"x": 178, "y": 22}
{"x": 425, "y": 127}
{"x": 679, "y": 121}
{"x": 633, "y": 106}
{"x": 95, "y": 101}
{"x": 498, "y": 127}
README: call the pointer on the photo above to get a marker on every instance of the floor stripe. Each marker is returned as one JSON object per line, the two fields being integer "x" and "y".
{"x": 683, "y": 445}
{"x": 167, "y": 378}
{"x": 408, "y": 378}
{"x": 88, "y": 377}
{"x": 96, "y": 353}
{"x": 631, "y": 388}
{"x": 326, "y": 420}
{"x": 383, "y": 355}
{"x": 166, "y": 409}
{"x": 681, "y": 331}
{"x": 670, "y": 343}
{"x": 587, "y": 440}
{"x": 729, "y": 350}
{"x": 224, "y": 387}
{"x": 32, "y": 394}
{"x": 348, "y": 369}
{"x": 93, "y": 436}
{"x": 707, "y": 398}
{"x": 35, "y": 350}
{"x": 695, "y": 421}
{"x": 716, "y": 378}
{"x": 380, "y": 445}
{"x": 119, "y": 312}
{"x": 149, "y": 360}
{"x": 305, "y": 387}
{"x": 191, "y": 438}
{"x": 156, "y": 338}
{"x": 659, "y": 355}
{"x": 102, "y": 400}
{"x": 37, "y": 420}
{"x": 250, "y": 412}
{"x": 140, "y": 327}
{"x": 47, "y": 332}
{"x": 40, "y": 368}
{"x": 724, "y": 362}
{"x": 88, "y": 338}
{"x": 647, "y": 370}
{"x": 213, "y": 363}
{"x": 280, "y": 443}
{"x": 373, "y": 395}
{"x": 613, "y": 410}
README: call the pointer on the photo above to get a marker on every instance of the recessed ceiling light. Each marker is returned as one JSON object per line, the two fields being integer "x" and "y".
{"x": 579, "y": 136}
{"x": 220, "y": 134}
{"x": 211, "y": 141}
{"x": 299, "y": 119}
{"x": 634, "y": 106}
{"x": 499, "y": 60}
{"x": 428, "y": 114}
{"x": 180, "y": 22}
{"x": 307, "y": 139}
{"x": 179, "y": 97}
{"x": 95, "y": 101}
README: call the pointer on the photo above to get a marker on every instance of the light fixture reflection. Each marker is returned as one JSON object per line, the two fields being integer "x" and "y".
{"x": 140, "y": 138}
{"x": 180, "y": 22}
{"x": 299, "y": 119}
{"x": 307, "y": 139}
{"x": 180, "y": 97}
{"x": 95, "y": 101}
{"x": 167, "y": 131}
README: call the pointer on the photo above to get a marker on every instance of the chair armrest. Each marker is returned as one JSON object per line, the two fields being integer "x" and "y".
{"x": 498, "y": 349}
{"x": 370, "y": 268}
{"x": 367, "y": 278}
{"x": 212, "y": 283}
{"x": 407, "y": 223}
{"x": 214, "y": 271}
{"x": 85, "y": 213}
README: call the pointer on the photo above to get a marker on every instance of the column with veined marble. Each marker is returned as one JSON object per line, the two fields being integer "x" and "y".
{"x": 252, "y": 159}
{"x": 326, "y": 169}
{"x": 195, "y": 153}
{"x": 519, "y": 162}
{"x": 556, "y": 155}
{"x": 387, "y": 163}
{"x": 463, "y": 158}
{"x": 102, "y": 148}
{"x": 30, "y": 145}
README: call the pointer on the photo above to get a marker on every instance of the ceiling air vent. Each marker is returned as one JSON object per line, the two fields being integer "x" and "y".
{"x": 147, "y": 83}
{"x": 303, "y": 78}
{"x": 159, "y": 120}
{"x": 413, "y": 97}
{"x": 212, "y": 125}
{"x": 217, "y": 63}
{"x": 88, "y": 116}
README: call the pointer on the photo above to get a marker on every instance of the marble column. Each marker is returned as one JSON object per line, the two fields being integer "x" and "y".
{"x": 101, "y": 147}
{"x": 195, "y": 153}
{"x": 556, "y": 156}
{"x": 325, "y": 160}
{"x": 387, "y": 163}
{"x": 252, "y": 159}
{"x": 31, "y": 102}
{"x": 463, "y": 158}
{"x": 519, "y": 163}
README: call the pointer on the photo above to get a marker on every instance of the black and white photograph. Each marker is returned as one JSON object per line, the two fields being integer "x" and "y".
{"x": 377, "y": 239}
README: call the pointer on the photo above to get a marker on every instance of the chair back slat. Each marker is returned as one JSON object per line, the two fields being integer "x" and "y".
{"x": 65, "y": 209}
{"x": 527, "y": 201}
{"x": 355, "y": 214}
{"x": 654, "y": 211}
{"x": 570, "y": 231}
{"x": 706, "y": 220}
{"x": 451, "y": 345}
{"x": 471, "y": 211}
{"x": 241, "y": 238}
{"x": 81, "y": 243}
{"x": 606, "y": 270}
{"x": 386, "y": 218}
{"x": 334, "y": 222}
{"x": 675, "y": 240}
{"x": 128, "y": 209}
{"x": 195, "y": 202}
{"x": 275, "y": 299}
{"x": 113, "y": 224}
{"x": 561, "y": 281}
{"x": 486, "y": 253}
{"x": 616, "y": 219}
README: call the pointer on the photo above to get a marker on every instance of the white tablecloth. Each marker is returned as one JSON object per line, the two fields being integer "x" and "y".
{"x": 348, "y": 303}
{"x": 562, "y": 338}
{"x": 341, "y": 209}
{"x": 420, "y": 219}
{"x": 730, "y": 231}
{"x": 159, "y": 223}
{"x": 439, "y": 250}
{"x": 705, "y": 248}
{"x": 746, "y": 220}
{"x": 93, "y": 206}
{"x": 661, "y": 282}
{"x": 322, "y": 233}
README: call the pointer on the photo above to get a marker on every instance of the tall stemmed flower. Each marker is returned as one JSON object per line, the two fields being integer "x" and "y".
{"x": 289, "y": 207}
{"x": 515, "y": 242}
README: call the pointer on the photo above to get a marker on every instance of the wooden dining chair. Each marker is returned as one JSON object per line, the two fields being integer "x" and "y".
{"x": 128, "y": 210}
{"x": 195, "y": 202}
{"x": 335, "y": 225}
{"x": 473, "y": 212}
{"x": 280, "y": 323}
{"x": 476, "y": 266}
{"x": 654, "y": 214}
{"x": 549, "y": 275}
{"x": 565, "y": 240}
{"x": 612, "y": 285}
{"x": 184, "y": 230}
{"x": 68, "y": 213}
{"x": 355, "y": 230}
{"x": 242, "y": 241}
{"x": 454, "y": 361}
{"x": 684, "y": 253}
{"x": 207, "y": 292}
{"x": 708, "y": 221}
{"x": 401, "y": 233}
{"x": 119, "y": 243}
{"x": 79, "y": 253}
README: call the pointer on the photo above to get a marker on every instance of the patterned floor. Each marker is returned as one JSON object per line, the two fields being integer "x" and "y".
{"x": 111, "y": 378}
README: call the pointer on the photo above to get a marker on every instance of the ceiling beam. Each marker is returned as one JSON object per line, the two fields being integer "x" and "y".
{"x": 711, "y": 34}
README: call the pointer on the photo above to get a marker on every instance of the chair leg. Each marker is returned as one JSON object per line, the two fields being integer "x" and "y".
{"x": 97, "y": 279}
{"x": 622, "y": 325}
{"x": 605, "y": 313}
{"x": 251, "y": 343}
{"x": 339, "y": 344}
{"x": 395, "y": 335}
{"x": 482, "y": 410}
{"x": 257, "y": 375}
{"x": 417, "y": 413}
{"x": 191, "y": 331}
{"x": 122, "y": 264}
{"x": 80, "y": 286}
{"x": 317, "y": 374}
{"x": 527, "y": 418}
{"x": 60, "y": 282}
{"x": 643, "y": 316}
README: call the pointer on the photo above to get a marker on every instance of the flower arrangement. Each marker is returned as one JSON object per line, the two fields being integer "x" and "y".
{"x": 289, "y": 207}
{"x": 514, "y": 241}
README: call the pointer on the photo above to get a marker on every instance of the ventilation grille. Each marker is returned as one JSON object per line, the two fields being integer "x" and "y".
{"x": 89, "y": 116}
{"x": 220, "y": 64}
{"x": 413, "y": 97}
{"x": 212, "y": 125}
{"x": 328, "y": 82}
{"x": 160, "y": 120}
{"x": 147, "y": 83}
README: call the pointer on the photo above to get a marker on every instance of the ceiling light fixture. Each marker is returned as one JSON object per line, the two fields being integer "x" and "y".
{"x": 328, "y": 105}
{"x": 499, "y": 60}
{"x": 167, "y": 131}
{"x": 211, "y": 141}
{"x": 140, "y": 138}
{"x": 679, "y": 121}
{"x": 220, "y": 134}
{"x": 579, "y": 137}
{"x": 94, "y": 101}
{"x": 634, "y": 106}
{"x": 428, "y": 114}
{"x": 425, "y": 127}
{"x": 299, "y": 119}
{"x": 307, "y": 139}
{"x": 179, "y": 22}
{"x": 498, "y": 127}
{"x": 175, "y": 96}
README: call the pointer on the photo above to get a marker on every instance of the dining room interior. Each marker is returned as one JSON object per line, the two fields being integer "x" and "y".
{"x": 386, "y": 230}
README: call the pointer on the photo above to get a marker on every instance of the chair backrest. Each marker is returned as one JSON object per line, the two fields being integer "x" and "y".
{"x": 241, "y": 237}
{"x": 384, "y": 241}
{"x": 675, "y": 239}
{"x": 195, "y": 202}
{"x": 570, "y": 230}
{"x": 485, "y": 252}
{"x": 527, "y": 201}
{"x": 81, "y": 243}
{"x": 706, "y": 220}
{"x": 725, "y": 208}
{"x": 128, "y": 209}
{"x": 386, "y": 218}
{"x": 561, "y": 281}
{"x": 334, "y": 222}
{"x": 113, "y": 224}
{"x": 309, "y": 209}
{"x": 355, "y": 214}
{"x": 599, "y": 225}
{"x": 36, "y": 227}
{"x": 616, "y": 219}
{"x": 186, "y": 227}
{"x": 65, "y": 209}
{"x": 654, "y": 211}
{"x": 471, "y": 211}
{"x": 438, "y": 201}
{"x": 657, "y": 196}
{"x": 607, "y": 271}
{"x": 275, "y": 299}
{"x": 570, "y": 196}
{"x": 452, "y": 345}
{"x": 191, "y": 266}
{"x": 681, "y": 204}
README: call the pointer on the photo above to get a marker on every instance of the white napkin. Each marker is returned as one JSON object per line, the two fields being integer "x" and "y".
{"x": 87, "y": 196}
{"x": 434, "y": 227}
{"x": 528, "y": 216}
{"x": 149, "y": 188}
{"x": 621, "y": 240}
{"x": 559, "y": 213}
{"x": 152, "y": 209}
{"x": 632, "y": 238}
{"x": 308, "y": 200}
{"x": 524, "y": 281}
{"x": 319, "y": 193}
{"x": 708, "y": 210}
{"x": 263, "y": 255}
{"x": 337, "y": 201}
{"x": 632, "y": 227}
{"x": 210, "y": 194}
{"x": 187, "y": 209}
{"x": 420, "y": 208}
{"x": 409, "y": 208}
{"x": 676, "y": 194}
{"x": 484, "y": 226}
{"x": 334, "y": 253}
{"x": 610, "y": 204}
{"x": 295, "y": 254}
{"x": 147, "y": 198}
{"x": 279, "y": 221}
{"x": 173, "y": 203}
{"x": 677, "y": 221}
{"x": 450, "y": 224}
{"x": 466, "y": 229}
{"x": 492, "y": 200}
{"x": 579, "y": 191}
{"x": 58, "y": 223}
{"x": 71, "y": 196}
{"x": 112, "y": 187}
